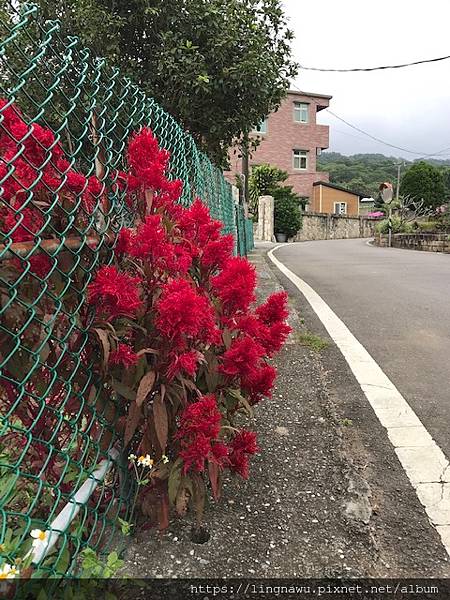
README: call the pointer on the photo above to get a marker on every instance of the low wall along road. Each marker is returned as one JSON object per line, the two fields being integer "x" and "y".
{"x": 318, "y": 226}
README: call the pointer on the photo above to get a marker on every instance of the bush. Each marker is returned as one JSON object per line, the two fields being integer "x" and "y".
{"x": 397, "y": 226}
{"x": 179, "y": 351}
{"x": 427, "y": 226}
{"x": 288, "y": 217}
{"x": 264, "y": 180}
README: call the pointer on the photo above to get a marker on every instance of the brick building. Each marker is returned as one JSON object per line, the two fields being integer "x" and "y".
{"x": 291, "y": 140}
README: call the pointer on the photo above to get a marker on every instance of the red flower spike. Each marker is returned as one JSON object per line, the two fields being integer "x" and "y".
{"x": 124, "y": 355}
{"x": 241, "y": 357}
{"x": 184, "y": 313}
{"x": 274, "y": 308}
{"x": 115, "y": 294}
{"x": 235, "y": 285}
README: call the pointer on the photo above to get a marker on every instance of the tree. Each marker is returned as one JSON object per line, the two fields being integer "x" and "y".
{"x": 264, "y": 180}
{"x": 287, "y": 214}
{"x": 218, "y": 66}
{"x": 424, "y": 181}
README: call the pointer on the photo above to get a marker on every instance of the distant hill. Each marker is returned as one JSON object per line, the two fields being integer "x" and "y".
{"x": 364, "y": 172}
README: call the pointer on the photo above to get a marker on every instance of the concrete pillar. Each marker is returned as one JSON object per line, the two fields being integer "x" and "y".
{"x": 264, "y": 232}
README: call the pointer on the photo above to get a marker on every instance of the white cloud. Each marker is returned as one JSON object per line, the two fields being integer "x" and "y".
{"x": 408, "y": 107}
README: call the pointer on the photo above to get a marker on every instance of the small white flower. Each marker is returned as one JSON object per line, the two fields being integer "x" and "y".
{"x": 39, "y": 537}
{"x": 145, "y": 461}
{"x": 8, "y": 571}
{"x": 165, "y": 459}
{"x": 132, "y": 457}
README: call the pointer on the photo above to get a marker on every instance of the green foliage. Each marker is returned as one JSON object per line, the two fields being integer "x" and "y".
{"x": 93, "y": 566}
{"x": 217, "y": 66}
{"x": 287, "y": 214}
{"x": 365, "y": 172}
{"x": 264, "y": 180}
{"x": 398, "y": 226}
{"x": 426, "y": 181}
{"x": 312, "y": 341}
{"x": 427, "y": 226}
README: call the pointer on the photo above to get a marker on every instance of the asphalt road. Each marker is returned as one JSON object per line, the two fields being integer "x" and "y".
{"x": 397, "y": 304}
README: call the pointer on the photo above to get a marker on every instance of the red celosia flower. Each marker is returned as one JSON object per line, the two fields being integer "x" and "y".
{"x": 219, "y": 454}
{"x": 201, "y": 417}
{"x": 124, "y": 242}
{"x": 235, "y": 285}
{"x": 240, "y": 357}
{"x": 184, "y": 363}
{"x": 216, "y": 253}
{"x": 196, "y": 224}
{"x": 242, "y": 445}
{"x": 274, "y": 337}
{"x": 199, "y": 428}
{"x": 195, "y": 452}
{"x": 274, "y": 308}
{"x": 124, "y": 355}
{"x": 244, "y": 441}
{"x": 151, "y": 242}
{"x": 258, "y": 382}
{"x": 182, "y": 312}
{"x": 75, "y": 182}
{"x": 115, "y": 294}
{"x": 239, "y": 463}
{"x": 250, "y": 325}
{"x": 147, "y": 161}
{"x": 92, "y": 194}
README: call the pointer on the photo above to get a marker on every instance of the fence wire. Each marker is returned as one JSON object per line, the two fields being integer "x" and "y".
{"x": 54, "y": 431}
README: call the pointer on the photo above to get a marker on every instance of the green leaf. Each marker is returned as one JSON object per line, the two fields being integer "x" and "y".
{"x": 174, "y": 480}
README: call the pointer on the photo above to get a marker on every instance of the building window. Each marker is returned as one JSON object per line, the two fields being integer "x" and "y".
{"x": 300, "y": 160}
{"x": 304, "y": 203}
{"x": 261, "y": 127}
{"x": 340, "y": 208}
{"x": 301, "y": 112}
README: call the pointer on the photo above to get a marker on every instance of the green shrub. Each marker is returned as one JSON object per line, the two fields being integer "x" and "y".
{"x": 397, "y": 226}
{"x": 427, "y": 226}
{"x": 287, "y": 217}
{"x": 263, "y": 181}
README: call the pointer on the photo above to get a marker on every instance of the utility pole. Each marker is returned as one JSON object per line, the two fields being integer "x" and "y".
{"x": 245, "y": 172}
{"x": 245, "y": 166}
{"x": 397, "y": 192}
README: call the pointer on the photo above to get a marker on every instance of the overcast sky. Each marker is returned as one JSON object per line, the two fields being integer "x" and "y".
{"x": 407, "y": 107}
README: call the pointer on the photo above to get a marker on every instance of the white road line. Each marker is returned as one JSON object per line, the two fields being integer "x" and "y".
{"x": 425, "y": 464}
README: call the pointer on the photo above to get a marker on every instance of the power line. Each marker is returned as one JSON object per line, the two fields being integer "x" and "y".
{"x": 410, "y": 64}
{"x": 369, "y": 135}
{"x": 424, "y": 155}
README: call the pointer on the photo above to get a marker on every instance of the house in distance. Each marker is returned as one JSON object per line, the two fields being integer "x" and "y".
{"x": 291, "y": 139}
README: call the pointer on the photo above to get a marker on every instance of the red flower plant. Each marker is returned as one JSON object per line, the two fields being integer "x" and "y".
{"x": 115, "y": 294}
{"x": 124, "y": 356}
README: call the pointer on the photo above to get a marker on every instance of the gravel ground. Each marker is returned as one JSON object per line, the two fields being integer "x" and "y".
{"x": 326, "y": 496}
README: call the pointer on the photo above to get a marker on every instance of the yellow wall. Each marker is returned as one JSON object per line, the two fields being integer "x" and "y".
{"x": 325, "y": 197}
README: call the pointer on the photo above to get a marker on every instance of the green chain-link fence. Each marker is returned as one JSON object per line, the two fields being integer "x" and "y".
{"x": 54, "y": 433}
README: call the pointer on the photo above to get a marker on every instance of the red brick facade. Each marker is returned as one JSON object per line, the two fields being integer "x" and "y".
{"x": 284, "y": 135}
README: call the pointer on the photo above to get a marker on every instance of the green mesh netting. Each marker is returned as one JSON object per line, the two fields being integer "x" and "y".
{"x": 54, "y": 432}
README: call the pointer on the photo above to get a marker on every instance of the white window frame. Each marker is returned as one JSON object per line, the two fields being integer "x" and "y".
{"x": 262, "y": 127}
{"x": 301, "y": 110}
{"x": 299, "y": 154}
{"x": 342, "y": 208}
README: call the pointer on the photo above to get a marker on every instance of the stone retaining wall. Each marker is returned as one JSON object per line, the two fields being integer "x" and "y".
{"x": 428, "y": 242}
{"x": 319, "y": 226}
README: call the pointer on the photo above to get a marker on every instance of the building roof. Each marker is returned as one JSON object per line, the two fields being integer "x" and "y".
{"x": 298, "y": 93}
{"x": 338, "y": 187}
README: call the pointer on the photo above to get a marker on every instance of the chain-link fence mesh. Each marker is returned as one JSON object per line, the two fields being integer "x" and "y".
{"x": 55, "y": 435}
